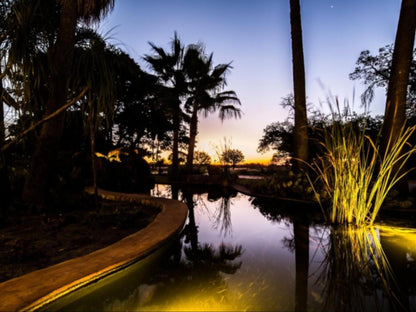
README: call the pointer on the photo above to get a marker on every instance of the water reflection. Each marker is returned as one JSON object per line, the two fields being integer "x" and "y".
{"x": 363, "y": 269}
{"x": 223, "y": 210}
{"x": 194, "y": 279}
{"x": 237, "y": 253}
{"x": 399, "y": 246}
{"x": 197, "y": 272}
{"x": 301, "y": 238}
{"x": 354, "y": 270}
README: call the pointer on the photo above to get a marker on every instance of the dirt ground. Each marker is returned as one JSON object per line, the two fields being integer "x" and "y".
{"x": 32, "y": 242}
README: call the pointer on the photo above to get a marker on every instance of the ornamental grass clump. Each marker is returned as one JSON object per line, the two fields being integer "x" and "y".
{"x": 354, "y": 174}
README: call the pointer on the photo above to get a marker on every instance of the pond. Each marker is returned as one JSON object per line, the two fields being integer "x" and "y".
{"x": 241, "y": 253}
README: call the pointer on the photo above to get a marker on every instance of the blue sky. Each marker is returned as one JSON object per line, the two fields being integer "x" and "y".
{"x": 255, "y": 36}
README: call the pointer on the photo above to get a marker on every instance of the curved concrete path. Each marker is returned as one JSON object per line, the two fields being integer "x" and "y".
{"x": 30, "y": 291}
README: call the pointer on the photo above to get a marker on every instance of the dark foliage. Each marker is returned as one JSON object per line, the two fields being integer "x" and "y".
{"x": 278, "y": 136}
{"x": 374, "y": 72}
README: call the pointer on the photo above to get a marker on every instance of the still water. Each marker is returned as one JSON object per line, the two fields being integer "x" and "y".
{"x": 239, "y": 253}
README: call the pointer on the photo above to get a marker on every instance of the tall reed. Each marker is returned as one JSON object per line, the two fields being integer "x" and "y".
{"x": 354, "y": 173}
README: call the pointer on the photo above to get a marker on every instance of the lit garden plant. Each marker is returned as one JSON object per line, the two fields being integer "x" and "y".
{"x": 355, "y": 175}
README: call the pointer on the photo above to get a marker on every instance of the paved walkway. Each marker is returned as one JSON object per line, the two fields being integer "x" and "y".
{"x": 30, "y": 291}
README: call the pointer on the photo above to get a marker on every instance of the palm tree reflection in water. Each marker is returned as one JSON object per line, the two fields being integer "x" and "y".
{"x": 198, "y": 272}
{"x": 193, "y": 277}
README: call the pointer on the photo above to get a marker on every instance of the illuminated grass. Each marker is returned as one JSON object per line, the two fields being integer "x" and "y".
{"x": 354, "y": 174}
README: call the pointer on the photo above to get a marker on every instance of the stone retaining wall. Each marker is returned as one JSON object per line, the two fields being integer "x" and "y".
{"x": 33, "y": 290}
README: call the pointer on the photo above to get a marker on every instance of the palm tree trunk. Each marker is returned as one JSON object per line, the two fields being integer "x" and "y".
{"x": 395, "y": 110}
{"x": 175, "y": 150}
{"x": 301, "y": 121}
{"x": 44, "y": 158}
{"x": 193, "y": 131}
{"x": 301, "y": 234}
{"x": 192, "y": 228}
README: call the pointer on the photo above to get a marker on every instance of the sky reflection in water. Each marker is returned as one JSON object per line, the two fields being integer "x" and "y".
{"x": 232, "y": 257}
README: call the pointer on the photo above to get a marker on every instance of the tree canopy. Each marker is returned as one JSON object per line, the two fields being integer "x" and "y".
{"x": 232, "y": 156}
{"x": 374, "y": 72}
{"x": 71, "y": 90}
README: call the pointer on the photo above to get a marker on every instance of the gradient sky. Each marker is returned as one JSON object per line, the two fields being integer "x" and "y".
{"x": 255, "y": 36}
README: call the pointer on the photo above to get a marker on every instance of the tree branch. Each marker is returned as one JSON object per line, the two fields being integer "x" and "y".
{"x": 19, "y": 137}
{"x": 8, "y": 99}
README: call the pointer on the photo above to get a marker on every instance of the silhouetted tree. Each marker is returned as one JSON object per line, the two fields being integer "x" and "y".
{"x": 301, "y": 121}
{"x": 205, "y": 95}
{"x": 138, "y": 116}
{"x": 24, "y": 37}
{"x": 202, "y": 158}
{"x": 61, "y": 58}
{"x": 169, "y": 68}
{"x": 374, "y": 72}
{"x": 395, "y": 111}
{"x": 232, "y": 157}
{"x": 278, "y": 136}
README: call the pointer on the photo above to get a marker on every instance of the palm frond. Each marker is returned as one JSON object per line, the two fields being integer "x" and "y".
{"x": 93, "y": 10}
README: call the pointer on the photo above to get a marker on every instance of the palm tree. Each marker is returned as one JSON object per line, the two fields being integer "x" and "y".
{"x": 61, "y": 57}
{"x": 23, "y": 40}
{"x": 301, "y": 121}
{"x": 23, "y": 43}
{"x": 205, "y": 95}
{"x": 168, "y": 67}
{"x": 395, "y": 111}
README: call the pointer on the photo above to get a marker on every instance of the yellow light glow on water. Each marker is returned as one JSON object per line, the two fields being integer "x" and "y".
{"x": 210, "y": 300}
{"x": 407, "y": 235}
{"x": 200, "y": 305}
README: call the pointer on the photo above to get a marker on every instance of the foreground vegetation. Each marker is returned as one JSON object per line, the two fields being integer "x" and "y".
{"x": 355, "y": 173}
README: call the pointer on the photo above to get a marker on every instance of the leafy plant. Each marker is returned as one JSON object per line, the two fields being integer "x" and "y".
{"x": 354, "y": 173}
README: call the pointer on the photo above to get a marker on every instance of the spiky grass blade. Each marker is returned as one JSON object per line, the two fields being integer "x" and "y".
{"x": 352, "y": 172}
